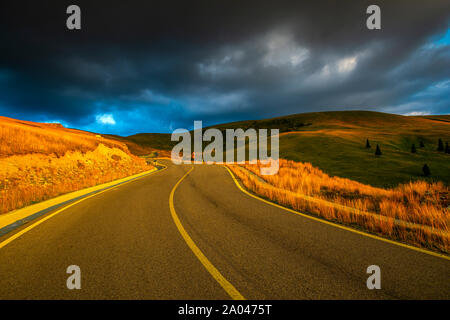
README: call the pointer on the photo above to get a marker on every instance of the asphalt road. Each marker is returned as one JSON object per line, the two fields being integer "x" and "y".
{"x": 127, "y": 245}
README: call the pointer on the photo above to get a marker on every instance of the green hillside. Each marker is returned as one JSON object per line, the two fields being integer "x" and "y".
{"x": 336, "y": 143}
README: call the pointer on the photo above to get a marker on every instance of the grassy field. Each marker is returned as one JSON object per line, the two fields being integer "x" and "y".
{"x": 39, "y": 161}
{"x": 337, "y": 145}
{"x": 335, "y": 142}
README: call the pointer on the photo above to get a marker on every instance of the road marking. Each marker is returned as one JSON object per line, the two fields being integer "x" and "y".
{"x": 34, "y": 225}
{"x": 335, "y": 224}
{"x": 226, "y": 285}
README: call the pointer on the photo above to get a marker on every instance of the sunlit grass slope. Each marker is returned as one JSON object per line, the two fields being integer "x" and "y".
{"x": 416, "y": 212}
{"x": 40, "y": 161}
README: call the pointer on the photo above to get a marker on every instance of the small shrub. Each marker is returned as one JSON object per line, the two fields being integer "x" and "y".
{"x": 440, "y": 145}
{"x": 426, "y": 170}
{"x": 378, "y": 151}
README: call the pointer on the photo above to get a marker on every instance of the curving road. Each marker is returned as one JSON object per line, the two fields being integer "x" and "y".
{"x": 128, "y": 246}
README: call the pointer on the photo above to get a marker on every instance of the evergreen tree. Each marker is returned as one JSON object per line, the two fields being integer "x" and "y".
{"x": 367, "y": 144}
{"x": 440, "y": 145}
{"x": 421, "y": 144}
{"x": 413, "y": 148}
{"x": 378, "y": 151}
{"x": 447, "y": 148}
{"x": 426, "y": 170}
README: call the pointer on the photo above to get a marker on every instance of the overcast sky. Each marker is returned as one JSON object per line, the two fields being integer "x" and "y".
{"x": 154, "y": 66}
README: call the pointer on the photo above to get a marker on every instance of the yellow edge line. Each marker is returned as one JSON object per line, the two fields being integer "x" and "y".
{"x": 226, "y": 285}
{"x": 335, "y": 224}
{"x": 34, "y": 225}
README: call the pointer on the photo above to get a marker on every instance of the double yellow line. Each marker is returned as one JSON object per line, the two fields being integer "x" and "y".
{"x": 224, "y": 283}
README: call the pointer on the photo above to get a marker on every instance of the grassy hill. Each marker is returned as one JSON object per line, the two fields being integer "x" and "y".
{"x": 39, "y": 161}
{"x": 444, "y": 118}
{"x": 335, "y": 142}
{"x": 20, "y": 137}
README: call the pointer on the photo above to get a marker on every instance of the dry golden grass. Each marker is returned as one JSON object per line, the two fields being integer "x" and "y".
{"x": 41, "y": 161}
{"x": 417, "y": 212}
{"x": 25, "y": 137}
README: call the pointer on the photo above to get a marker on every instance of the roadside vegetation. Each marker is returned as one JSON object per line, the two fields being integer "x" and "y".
{"x": 40, "y": 161}
{"x": 416, "y": 212}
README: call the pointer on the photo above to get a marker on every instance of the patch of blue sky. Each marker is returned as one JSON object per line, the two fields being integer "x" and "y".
{"x": 441, "y": 88}
{"x": 131, "y": 118}
{"x": 439, "y": 40}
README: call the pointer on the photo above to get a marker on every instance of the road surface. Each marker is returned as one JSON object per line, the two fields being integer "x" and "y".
{"x": 128, "y": 246}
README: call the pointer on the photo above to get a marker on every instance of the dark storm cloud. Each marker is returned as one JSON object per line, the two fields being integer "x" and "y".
{"x": 158, "y": 65}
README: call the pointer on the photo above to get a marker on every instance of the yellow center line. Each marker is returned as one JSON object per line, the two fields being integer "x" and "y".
{"x": 226, "y": 285}
{"x": 336, "y": 225}
{"x": 34, "y": 225}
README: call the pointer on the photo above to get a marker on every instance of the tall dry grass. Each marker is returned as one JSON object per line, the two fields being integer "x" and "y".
{"x": 41, "y": 161}
{"x": 393, "y": 212}
{"x": 32, "y": 178}
{"x": 24, "y": 137}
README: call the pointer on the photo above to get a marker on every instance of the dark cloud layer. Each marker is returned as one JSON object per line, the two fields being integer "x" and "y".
{"x": 159, "y": 65}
